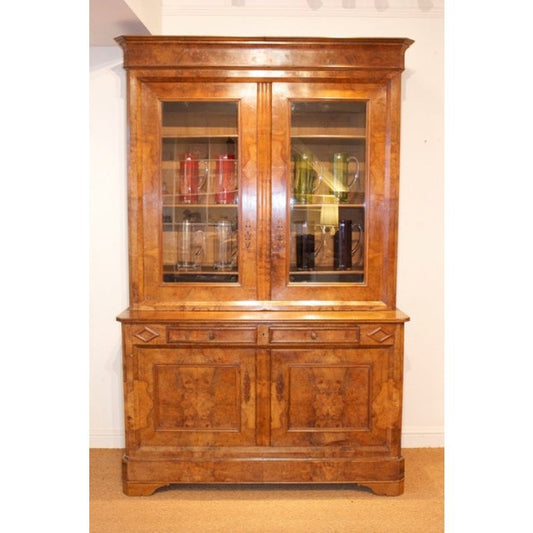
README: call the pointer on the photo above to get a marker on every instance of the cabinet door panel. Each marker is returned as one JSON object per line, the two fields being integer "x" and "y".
{"x": 334, "y": 397}
{"x": 334, "y": 218}
{"x": 195, "y": 193}
{"x": 194, "y": 396}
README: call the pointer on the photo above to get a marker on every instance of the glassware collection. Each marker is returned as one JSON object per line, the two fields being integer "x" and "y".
{"x": 201, "y": 181}
{"x": 326, "y": 195}
{"x": 326, "y": 243}
{"x": 310, "y": 172}
{"x": 200, "y": 216}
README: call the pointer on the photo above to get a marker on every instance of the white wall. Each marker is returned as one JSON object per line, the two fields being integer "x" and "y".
{"x": 149, "y": 12}
{"x": 108, "y": 243}
{"x": 420, "y": 261}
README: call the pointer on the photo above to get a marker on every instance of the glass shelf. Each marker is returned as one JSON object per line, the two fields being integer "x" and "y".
{"x": 316, "y": 202}
{"x": 169, "y": 201}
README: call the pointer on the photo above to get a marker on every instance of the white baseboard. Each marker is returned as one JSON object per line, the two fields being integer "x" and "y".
{"x": 423, "y": 437}
{"x": 106, "y": 438}
{"x": 412, "y": 437}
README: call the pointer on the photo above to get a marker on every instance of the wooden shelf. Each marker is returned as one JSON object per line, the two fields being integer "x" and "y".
{"x": 203, "y": 275}
{"x": 199, "y": 132}
{"x": 318, "y": 133}
{"x": 326, "y": 271}
{"x": 171, "y": 269}
{"x": 296, "y": 205}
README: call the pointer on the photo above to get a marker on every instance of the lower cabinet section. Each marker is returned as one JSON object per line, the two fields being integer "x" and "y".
{"x": 288, "y": 401}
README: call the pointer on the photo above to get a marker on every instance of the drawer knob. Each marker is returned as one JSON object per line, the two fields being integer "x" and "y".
{"x": 313, "y": 335}
{"x": 211, "y": 335}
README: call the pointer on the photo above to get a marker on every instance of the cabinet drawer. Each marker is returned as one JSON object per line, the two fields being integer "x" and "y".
{"x": 282, "y": 335}
{"x": 212, "y": 335}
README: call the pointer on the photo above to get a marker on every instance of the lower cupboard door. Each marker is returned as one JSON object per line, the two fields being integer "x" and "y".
{"x": 336, "y": 397}
{"x": 193, "y": 397}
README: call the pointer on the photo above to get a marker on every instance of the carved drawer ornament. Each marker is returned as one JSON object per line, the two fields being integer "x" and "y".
{"x": 146, "y": 334}
{"x": 379, "y": 334}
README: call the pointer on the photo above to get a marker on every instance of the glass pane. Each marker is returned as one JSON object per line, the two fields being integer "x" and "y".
{"x": 328, "y": 150}
{"x": 200, "y": 191}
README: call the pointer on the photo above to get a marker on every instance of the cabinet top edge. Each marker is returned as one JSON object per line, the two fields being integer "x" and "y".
{"x": 261, "y": 40}
{"x": 394, "y": 315}
{"x": 285, "y": 53}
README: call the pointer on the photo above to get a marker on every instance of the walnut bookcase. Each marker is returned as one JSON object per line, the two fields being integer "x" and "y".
{"x": 252, "y": 353}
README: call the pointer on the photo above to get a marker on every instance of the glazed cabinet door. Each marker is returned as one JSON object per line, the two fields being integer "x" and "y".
{"x": 334, "y": 203}
{"x": 193, "y": 231}
{"x": 190, "y": 396}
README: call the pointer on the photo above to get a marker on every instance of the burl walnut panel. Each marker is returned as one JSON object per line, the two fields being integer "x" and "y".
{"x": 332, "y": 396}
{"x": 194, "y": 397}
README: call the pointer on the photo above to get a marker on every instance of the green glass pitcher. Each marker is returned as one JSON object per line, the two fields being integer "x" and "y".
{"x": 306, "y": 180}
{"x": 342, "y": 180}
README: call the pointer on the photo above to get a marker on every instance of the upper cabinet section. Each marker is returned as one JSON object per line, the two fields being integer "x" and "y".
{"x": 263, "y": 173}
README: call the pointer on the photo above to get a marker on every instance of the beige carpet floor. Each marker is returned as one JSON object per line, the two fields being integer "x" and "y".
{"x": 269, "y": 509}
